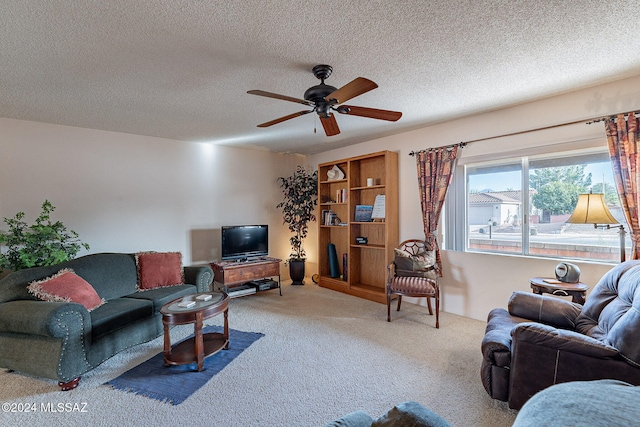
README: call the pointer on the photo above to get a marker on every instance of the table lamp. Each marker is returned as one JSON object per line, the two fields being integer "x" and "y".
{"x": 591, "y": 209}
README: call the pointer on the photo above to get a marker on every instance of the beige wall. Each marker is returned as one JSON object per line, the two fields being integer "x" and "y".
{"x": 128, "y": 193}
{"x": 473, "y": 284}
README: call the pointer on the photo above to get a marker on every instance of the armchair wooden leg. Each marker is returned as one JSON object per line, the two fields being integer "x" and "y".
{"x": 399, "y": 302}
{"x": 429, "y": 305}
{"x": 437, "y": 312}
{"x": 388, "y": 307}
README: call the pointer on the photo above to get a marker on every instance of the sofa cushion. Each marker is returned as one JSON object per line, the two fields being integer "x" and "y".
{"x": 157, "y": 269}
{"x": 161, "y": 296}
{"x": 410, "y": 414}
{"x": 118, "y": 313}
{"x": 66, "y": 286}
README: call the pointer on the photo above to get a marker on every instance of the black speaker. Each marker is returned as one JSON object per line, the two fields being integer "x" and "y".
{"x": 567, "y": 272}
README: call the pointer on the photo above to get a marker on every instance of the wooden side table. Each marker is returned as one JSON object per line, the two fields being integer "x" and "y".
{"x": 201, "y": 345}
{"x": 577, "y": 291}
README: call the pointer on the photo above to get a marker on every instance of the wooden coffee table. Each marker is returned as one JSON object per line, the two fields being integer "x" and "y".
{"x": 199, "y": 347}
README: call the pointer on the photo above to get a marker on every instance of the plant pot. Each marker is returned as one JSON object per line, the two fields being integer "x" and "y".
{"x": 296, "y": 271}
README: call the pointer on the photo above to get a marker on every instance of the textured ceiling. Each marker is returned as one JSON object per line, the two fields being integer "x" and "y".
{"x": 180, "y": 69}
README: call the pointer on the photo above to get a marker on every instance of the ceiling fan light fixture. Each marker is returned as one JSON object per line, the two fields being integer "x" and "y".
{"x": 323, "y": 109}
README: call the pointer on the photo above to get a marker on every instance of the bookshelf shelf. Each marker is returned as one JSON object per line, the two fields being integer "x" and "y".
{"x": 368, "y": 246}
{"x": 365, "y": 265}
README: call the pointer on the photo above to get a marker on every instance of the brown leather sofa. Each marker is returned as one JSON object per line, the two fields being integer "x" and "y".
{"x": 542, "y": 340}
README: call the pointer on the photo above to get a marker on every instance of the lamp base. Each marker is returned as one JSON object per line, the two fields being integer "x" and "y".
{"x": 622, "y": 234}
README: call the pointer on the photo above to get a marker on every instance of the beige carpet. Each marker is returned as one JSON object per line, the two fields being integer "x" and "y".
{"x": 324, "y": 354}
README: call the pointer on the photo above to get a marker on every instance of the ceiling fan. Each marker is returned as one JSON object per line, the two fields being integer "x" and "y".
{"x": 324, "y": 98}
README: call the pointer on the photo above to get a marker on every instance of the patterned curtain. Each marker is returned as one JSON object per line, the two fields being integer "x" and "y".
{"x": 623, "y": 137}
{"x": 435, "y": 172}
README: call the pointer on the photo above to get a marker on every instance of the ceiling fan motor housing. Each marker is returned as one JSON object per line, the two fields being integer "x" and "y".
{"x": 316, "y": 94}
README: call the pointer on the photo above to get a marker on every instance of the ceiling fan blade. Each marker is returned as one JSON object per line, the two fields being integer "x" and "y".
{"x": 352, "y": 89}
{"x": 330, "y": 125}
{"x": 278, "y": 96}
{"x": 284, "y": 118}
{"x": 372, "y": 113}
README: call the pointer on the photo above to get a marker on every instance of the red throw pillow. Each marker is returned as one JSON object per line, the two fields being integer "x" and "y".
{"x": 156, "y": 269}
{"x": 66, "y": 286}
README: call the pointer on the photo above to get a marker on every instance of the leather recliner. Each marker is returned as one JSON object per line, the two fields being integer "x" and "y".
{"x": 542, "y": 340}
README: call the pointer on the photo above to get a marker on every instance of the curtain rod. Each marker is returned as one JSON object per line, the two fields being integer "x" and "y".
{"x": 585, "y": 121}
{"x": 446, "y": 147}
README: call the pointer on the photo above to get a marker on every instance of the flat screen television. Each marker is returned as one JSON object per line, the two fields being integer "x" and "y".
{"x": 241, "y": 242}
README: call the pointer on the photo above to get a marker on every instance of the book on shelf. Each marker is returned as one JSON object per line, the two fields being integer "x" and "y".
{"x": 333, "y": 219}
{"x": 378, "y": 207}
{"x": 344, "y": 267}
{"x": 329, "y": 217}
{"x": 363, "y": 213}
{"x": 325, "y": 216}
{"x": 341, "y": 196}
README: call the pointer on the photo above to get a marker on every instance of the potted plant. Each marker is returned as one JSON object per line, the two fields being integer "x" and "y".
{"x": 43, "y": 243}
{"x": 300, "y": 199}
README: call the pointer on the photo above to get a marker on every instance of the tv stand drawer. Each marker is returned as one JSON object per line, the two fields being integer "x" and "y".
{"x": 240, "y": 272}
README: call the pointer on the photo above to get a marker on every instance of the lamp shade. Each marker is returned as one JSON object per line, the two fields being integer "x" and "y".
{"x": 591, "y": 209}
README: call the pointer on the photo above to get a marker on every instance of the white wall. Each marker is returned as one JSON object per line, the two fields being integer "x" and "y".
{"x": 128, "y": 193}
{"x": 473, "y": 284}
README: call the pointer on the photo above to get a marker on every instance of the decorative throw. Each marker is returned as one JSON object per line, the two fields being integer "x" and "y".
{"x": 157, "y": 269}
{"x": 421, "y": 264}
{"x": 66, "y": 286}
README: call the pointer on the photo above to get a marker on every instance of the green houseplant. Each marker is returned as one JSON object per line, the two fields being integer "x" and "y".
{"x": 43, "y": 243}
{"x": 300, "y": 199}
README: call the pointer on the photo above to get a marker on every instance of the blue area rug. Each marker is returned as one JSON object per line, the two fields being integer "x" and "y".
{"x": 174, "y": 384}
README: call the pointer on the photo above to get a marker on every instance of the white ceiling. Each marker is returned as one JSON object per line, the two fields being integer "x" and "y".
{"x": 180, "y": 69}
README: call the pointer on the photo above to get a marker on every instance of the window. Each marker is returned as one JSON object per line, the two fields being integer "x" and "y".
{"x": 521, "y": 205}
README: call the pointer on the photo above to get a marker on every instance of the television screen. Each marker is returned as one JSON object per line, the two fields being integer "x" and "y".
{"x": 240, "y": 242}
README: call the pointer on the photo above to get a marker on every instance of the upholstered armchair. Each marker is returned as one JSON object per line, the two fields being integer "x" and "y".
{"x": 541, "y": 340}
{"x": 413, "y": 273}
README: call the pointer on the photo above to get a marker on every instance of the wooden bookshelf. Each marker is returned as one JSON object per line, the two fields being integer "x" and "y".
{"x": 366, "y": 263}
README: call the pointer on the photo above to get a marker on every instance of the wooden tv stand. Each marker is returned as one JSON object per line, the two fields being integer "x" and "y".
{"x": 230, "y": 274}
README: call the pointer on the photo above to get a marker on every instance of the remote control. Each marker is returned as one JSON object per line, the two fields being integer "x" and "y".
{"x": 186, "y": 304}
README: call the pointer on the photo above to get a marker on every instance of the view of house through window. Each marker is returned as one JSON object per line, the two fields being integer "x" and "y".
{"x": 500, "y": 194}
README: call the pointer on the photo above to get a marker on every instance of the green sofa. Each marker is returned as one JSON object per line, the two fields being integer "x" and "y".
{"x": 63, "y": 340}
